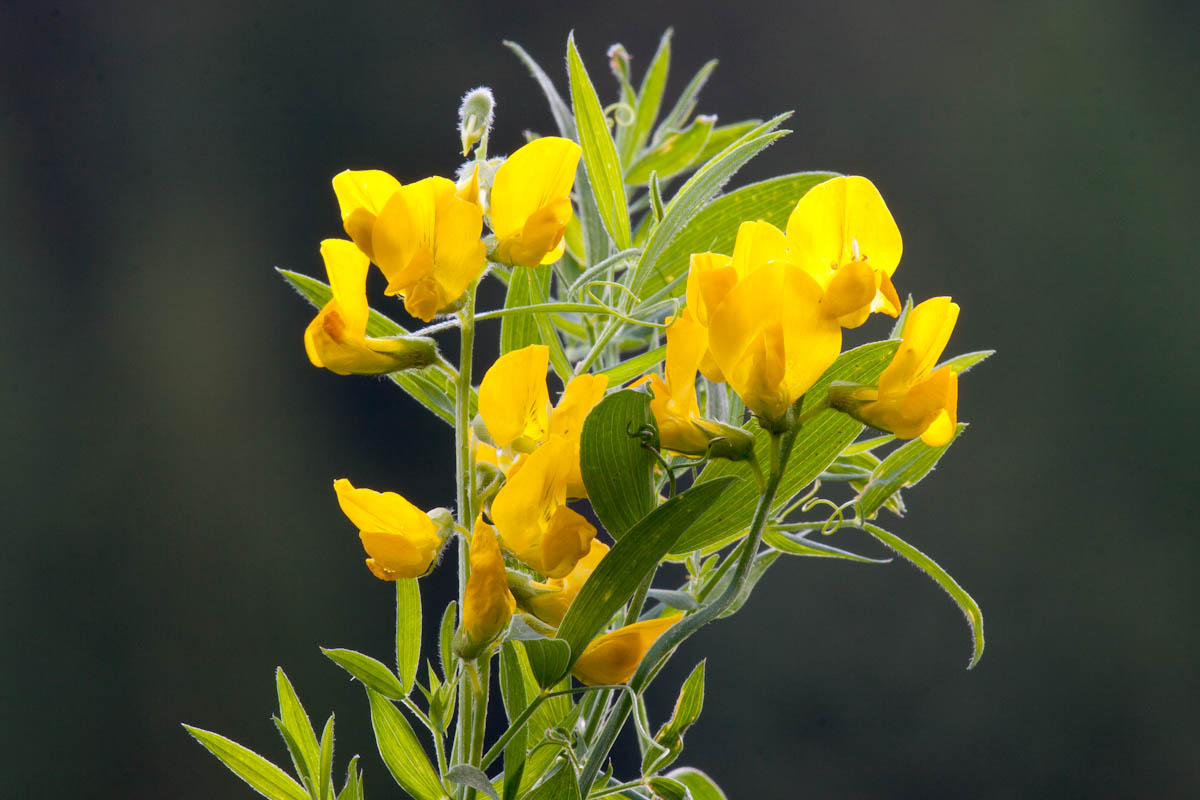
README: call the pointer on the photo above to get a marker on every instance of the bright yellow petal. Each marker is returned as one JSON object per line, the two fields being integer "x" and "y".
{"x": 578, "y": 399}
{"x": 870, "y": 225}
{"x": 403, "y": 238}
{"x": 513, "y": 400}
{"x": 328, "y": 344}
{"x": 710, "y": 277}
{"x": 384, "y": 511}
{"x": 927, "y": 329}
{"x": 757, "y": 245}
{"x": 361, "y": 195}
{"x": 567, "y": 539}
{"x": 488, "y": 604}
{"x": 522, "y": 509}
{"x": 397, "y": 556}
{"x": 347, "y": 268}
{"x": 530, "y": 179}
{"x": 552, "y": 606}
{"x": 459, "y": 255}
{"x": 843, "y": 220}
{"x": 612, "y": 658}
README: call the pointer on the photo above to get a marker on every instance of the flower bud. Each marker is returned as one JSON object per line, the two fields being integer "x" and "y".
{"x": 475, "y": 117}
{"x": 488, "y": 605}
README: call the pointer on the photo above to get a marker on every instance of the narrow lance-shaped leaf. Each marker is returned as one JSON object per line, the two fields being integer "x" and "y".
{"x": 800, "y": 546}
{"x": 521, "y": 330}
{"x": 325, "y": 773}
{"x": 368, "y": 671}
{"x": 965, "y": 602}
{"x": 477, "y": 779}
{"x": 700, "y": 785}
{"x": 903, "y": 467}
{"x": 668, "y": 789}
{"x": 616, "y": 465}
{"x": 599, "y": 152}
{"x": 675, "y": 154}
{"x": 629, "y": 562}
{"x": 560, "y": 785}
{"x": 685, "y": 105}
{"x": 262, "y": 776}
{"x": 649, "y": 99}
{"x": 294, "y": 719}
{"x": 401, "y": 752}
{"x": 698, "y": 191}
{"x": 408, "y": 631}
{"x": 351, "y": 789}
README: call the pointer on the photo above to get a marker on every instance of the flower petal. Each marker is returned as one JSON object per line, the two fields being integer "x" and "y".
{"x": 530, "y": 179}
{"x": 613, "y": 657}
{"x": 513, "y": 400}
{"x": 361, "y": 195}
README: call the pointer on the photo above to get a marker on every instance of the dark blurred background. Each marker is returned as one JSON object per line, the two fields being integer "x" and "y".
{"x": 168, "y": 451}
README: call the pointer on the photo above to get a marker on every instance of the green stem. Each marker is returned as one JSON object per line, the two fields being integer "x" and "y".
{"x": 781, "y": 446}
{"x": 465, "y": 488}
{"x": 515, "y": 726}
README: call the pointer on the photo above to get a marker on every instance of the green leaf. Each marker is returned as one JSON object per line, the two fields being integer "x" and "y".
{"x": 521, "y": 330}
{"x": 617, "y": 467}
{"x": 762, "y": 562}
{"x": 725, "y": 135}
{"x": 263, "y": 776}
{"x": 548, "y": 660}
{"x": 685, "y": 105}
{"x": 799, "y": 546}
{"x": 516, "y": 700}
{"x": 700, "y": 785}
{"x": 965, "y": 602}
{"x": 817, "y": 444}
{"x": 714, "y": 228}
{"x": 368, "y": 671}
{"x": 560, "y": 785}
{"x": 294, "y": 719}
{"x": 675, "y": 154}
{"x": 649, "y": 99}
{"x": 669, "y": 789}
{"x": 351, "y": 789}
{"x": 325, "y": 772}
{"x": 408, "y": 631}
{"x": 446, "y": 637}
{"x": 687, "y": 710}
{"x": 632, "y": 367}
{"x": 697, "y": 192}
{"x": 960, "y": 364}
{"x": 905, "y": 466}
{"x": 669, "y": 597}
{"x": 558, "y": 107}
{"x": 432, "y": 387}
{"x": 401, "y": 752}
{"x": 599, "y": 153}
{"x": 477, "y": 779}
{"x": 631, "y": 559}
{"x": 547, "y": 715}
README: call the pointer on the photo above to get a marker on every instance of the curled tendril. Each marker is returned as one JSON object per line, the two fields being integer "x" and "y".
{"x": 622, "y": 114}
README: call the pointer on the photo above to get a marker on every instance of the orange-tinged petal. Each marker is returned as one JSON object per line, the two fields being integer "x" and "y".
{"x": 488, "y": 604}
{"x": 513, "y": 399}
{"x": 613, "y": 657}
{"x": 361, "y": 195}
{"x": 552, "y": 606}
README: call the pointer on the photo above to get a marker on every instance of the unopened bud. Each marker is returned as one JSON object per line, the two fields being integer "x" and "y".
{"x": 475, "y": 118}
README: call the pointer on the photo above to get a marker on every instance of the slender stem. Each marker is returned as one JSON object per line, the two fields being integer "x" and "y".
{"x": 781, "y": 445}
{"x": 618, "y": 788}
{"x": 515, "y": 726}
{"x": 465, "y": 489}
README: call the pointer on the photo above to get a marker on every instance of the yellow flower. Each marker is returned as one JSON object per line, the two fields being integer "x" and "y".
{"x": 514, "y": 404}
{"x": 426, "y": 241}
{"x": 912, "y": 398}
{"x": 513, "y": 399}
{"x": 843, "y": 235}
{"x": 613, "y": 657}
{"x": 337, "y": 338}
{"x": 768, "y": 334}
{"x": 488, "y": 605}
{"x": 551, "y": 605}
{"x": 401, "y": 540}
{"x": 530, "y": 204}
{"x": 532, "y": 516}
{"x": 361, "y": 195}
{"x": 680, "y": 426}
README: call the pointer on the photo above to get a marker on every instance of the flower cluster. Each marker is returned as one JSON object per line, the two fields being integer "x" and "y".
{"x": 702, "y": 450}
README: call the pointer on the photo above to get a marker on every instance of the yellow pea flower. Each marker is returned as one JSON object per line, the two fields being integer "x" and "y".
{"x": 842, "y": 234}
{"x": 401, "y": 539}
{"x": 551, "y": 605}
{"x": 426, "y": 241}
{"x": 488, "y": 605}
{"x": 680, "y": 427}
{"x": 361, "y": 195}
{"x": 513, "y": 399}
{"x": 912, "y": 399}
{"x": 531, "y": 513}
{"x": 613, "y": 657}
{"x": 768, "y": 335}
{"x": 530, "y": 204}
{"x": 514, "y": 404}
{"x": 582, "y": 394}
{"x": 337, "y": 338}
